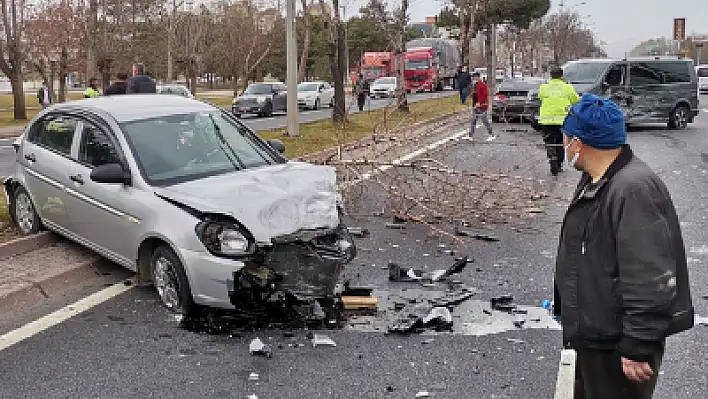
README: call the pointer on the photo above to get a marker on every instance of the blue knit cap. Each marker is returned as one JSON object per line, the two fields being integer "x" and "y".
{"x": 597, "y": 122}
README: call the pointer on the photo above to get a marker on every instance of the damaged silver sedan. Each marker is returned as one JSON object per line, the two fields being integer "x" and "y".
{"x": 185, "y": 195}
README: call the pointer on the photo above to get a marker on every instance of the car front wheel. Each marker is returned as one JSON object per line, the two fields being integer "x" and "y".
{"x": 24, "y": 212}
{"x": 679, "y": 118}
{"x": 170, "y": 281}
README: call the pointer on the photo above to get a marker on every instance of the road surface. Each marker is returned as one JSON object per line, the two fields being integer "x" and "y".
{"x": 128, "y": 346}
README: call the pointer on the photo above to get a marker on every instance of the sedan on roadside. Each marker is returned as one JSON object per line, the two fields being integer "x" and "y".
{"x": 312, "y": 95}
{"x": 184, "y": 194}
{"x": 261, "y": 99}
{"x": 384, "y": 87}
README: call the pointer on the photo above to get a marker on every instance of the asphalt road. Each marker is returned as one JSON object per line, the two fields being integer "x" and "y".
{"x": 130, "y": 347}
{"x": 278, "y": 120}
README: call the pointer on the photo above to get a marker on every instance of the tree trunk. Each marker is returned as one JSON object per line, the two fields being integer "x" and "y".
{"x": 302, "y": 72}
{"x": 18, "y": 93}
{"x": 402, "y": 98}
{"x": 63, "y": 72}
{"x": 91, "y": 35}
{"x": 336, "y": 57}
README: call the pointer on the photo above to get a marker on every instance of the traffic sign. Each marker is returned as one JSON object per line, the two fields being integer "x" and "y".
{"x": 679, "y": 28}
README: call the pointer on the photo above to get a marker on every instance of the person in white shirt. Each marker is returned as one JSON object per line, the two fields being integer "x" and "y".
{"x": 44, "y": 95}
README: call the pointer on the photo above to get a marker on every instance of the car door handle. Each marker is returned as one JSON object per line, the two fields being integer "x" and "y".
{"x": 77, "y": 179}
{"x": 31, "y": 157}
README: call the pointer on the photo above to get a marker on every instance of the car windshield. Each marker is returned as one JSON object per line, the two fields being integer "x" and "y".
{"x": 178, "y": 148}
{"x": 173, "y": 90}
{"x": 412, "y": 65}
{"x": 385, "y": 81}
{"x": 584, "y": 72}
{"x": 308, "y": 87}
{"x": 702, "y": 72}
{"x": 259, "y": 89}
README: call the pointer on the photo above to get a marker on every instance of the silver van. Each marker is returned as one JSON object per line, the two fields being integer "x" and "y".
{"x": 649, "y": 89}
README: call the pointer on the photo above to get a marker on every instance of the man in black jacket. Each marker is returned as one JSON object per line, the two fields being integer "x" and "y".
{"x": 141, "y": 83}
{"x": 464, "y": 83}
{"x": 119, "y": 86}
{"x": 621, "y": 280}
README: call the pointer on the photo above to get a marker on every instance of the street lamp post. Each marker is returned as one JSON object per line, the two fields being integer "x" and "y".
{"x": 293, "y": 126}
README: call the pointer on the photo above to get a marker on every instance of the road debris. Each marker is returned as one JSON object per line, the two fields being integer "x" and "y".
{"x": 396, "y": 225}
{"x": 422, "y": 394}
{"x": 439, "y": 319}
{"x": 257, "y": 347}
{"x": 253, "y": 377}
{"x": 359, "y": 232}
{"x": 322, "y": 340}
{"x": 504, "y": 303}
{"x": 360, "y": 302}
{"x": 477, "y": 236}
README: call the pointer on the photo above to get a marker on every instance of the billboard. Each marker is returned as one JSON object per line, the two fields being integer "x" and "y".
{"x": 679, "y": 28}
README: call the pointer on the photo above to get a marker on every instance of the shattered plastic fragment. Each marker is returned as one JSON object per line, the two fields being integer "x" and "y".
{"x": 476, "y": 236}
{"x": 253, "y": 377}
{"x": 422, "y": 394}
{"x": 320, "y": 340}
{"x": 251, "y": 397}
{"x": 396, "y": 226}
{"x": 358, "y": 231}
{"x": 257, "y": 347}
{"x": 438, "y": 317}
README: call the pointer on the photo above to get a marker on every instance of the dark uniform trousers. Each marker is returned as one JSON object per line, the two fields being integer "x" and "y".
{"x": 599, "y": 375}
{"x": 553, "y": 138}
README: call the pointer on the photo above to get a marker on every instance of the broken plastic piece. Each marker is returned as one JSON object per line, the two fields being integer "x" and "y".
{"x": 476, "y": 236}
{"x": 251, "y": 397}
{"x": 319, "y": 340}
{"x": 519, "y": 323}
{"x": 253, "y": 377}
{"x": 356, "y": 291}
{"x": 397, "y": 273}
{"x": 458, "y": 266}
{"x": 257, "y": 347}
{"x": 396, "y": 226}
{"x": 358, "y": 231}
{"x": 422, "y": 394}
{"x": 504, "y": 303}
{"x": 439, "y": 317}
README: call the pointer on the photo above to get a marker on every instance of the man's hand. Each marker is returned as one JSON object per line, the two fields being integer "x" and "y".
{"x": 637, "y": 371}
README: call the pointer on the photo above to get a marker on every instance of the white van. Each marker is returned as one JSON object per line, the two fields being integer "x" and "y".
{"x": 702, "y": 72}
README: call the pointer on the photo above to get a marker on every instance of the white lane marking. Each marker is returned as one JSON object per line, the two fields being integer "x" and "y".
{"x": 565, "y": 383}
{"x": 62, "y": 315}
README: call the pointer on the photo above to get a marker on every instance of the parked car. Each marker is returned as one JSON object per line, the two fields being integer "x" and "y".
{"x": 649, "y": 89}
{"x": 313, "y": 94}
{"x": 702, "y": 73}
{"x": 384, "y": 87}
{"x": 261, "y": 99}
{"x": 517, "y": 99}
{"x": 184, "y": 194}
{"x": 179, "y": 90}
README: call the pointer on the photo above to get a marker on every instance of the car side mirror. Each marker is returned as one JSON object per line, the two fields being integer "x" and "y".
{"x": 110, "y": 173}
{"x": 277, "y": 145}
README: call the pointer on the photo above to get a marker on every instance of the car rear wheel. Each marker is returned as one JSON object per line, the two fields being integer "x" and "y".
{"x": 267, "y": 110}
{"x": 24, "y": 213}
{"x": 170, "y": 281}
{"x": 331, "y": 102}
{"x": 679, "y": 118}
{"x": 317, "y": 104}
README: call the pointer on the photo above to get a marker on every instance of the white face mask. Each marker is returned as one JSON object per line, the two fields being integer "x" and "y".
{"x": 574, "y": 159}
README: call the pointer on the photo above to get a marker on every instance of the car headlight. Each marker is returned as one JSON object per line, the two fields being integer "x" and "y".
{"x": 225, "y": 238}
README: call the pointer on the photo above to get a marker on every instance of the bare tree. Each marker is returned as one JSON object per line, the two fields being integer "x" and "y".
{"x": 12, "y": 54}
{"x": 337, "y": 60}
{"x": 402, "y": 99}
{"x": 306, "y": 40}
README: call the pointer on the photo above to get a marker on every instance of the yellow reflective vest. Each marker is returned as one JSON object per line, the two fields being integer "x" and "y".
{"x": 556, "y": 97}
{"x": 90, "y": 92}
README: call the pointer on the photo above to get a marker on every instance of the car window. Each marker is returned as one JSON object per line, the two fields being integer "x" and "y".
{"x": 702, "y": 72}
{"x": 673, "y": 72}
{"x": 54, "y": 133}
{"x": 95, "y": 147}
{"x": 184, "y": 147}
{"x": 641, "y": 74}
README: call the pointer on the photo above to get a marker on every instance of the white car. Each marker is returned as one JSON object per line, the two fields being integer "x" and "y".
{"x": 313, "y": 94}
{"x": 702, "y": 72}
{"x": 384, "y": 87}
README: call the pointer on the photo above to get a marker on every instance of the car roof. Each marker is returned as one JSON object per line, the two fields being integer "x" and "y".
{"x": 645, "y": 58}
{"x": 130, "y": 107}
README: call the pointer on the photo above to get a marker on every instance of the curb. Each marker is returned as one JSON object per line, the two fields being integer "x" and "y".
{"x": 22, "y": 245}
{"x": 32, "y": 292}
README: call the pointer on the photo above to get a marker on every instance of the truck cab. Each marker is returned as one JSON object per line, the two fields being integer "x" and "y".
{"x": 421, "y": 71}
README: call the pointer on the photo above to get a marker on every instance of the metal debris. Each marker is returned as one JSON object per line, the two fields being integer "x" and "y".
{"x": 358, "y": 232}
{"x": 257, "y": 347}
{"x": 322, "y": 340}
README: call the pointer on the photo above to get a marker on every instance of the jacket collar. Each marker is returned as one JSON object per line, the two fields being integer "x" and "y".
{"x": 587, "y": 191}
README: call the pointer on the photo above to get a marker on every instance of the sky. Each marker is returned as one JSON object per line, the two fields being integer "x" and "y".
{"x": 621, "y": 24}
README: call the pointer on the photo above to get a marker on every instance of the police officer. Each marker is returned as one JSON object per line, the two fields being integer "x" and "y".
{"x": 556, "y": 97}
{"x": 92, "y": 90}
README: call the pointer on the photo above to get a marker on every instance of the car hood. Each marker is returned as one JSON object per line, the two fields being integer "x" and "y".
{"x": 257, "y": 97}
{"x": 306, "y": 94}
{"x": 270, "y": 202}
{"x": 386, "y": 86}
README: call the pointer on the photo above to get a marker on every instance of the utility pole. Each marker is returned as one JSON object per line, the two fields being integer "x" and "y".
{"x": 492, "y": 67}
{"x": 293, "y": 127}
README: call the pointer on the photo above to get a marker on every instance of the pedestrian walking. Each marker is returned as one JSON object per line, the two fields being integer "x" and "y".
{"x": 621, "y": 279}
{"x": 464, "y": 83}
{"x": 120, "y": 86}
{"x": 141, "y": 82}
{"x": 481, "y": 106}
{"x": 44, "y": 95}
{"x": 360, "y": 91}
{"x": 92, "y": 90}
{"x": 556, "y": 97}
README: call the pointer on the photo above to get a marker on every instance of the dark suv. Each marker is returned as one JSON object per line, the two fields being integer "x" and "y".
{"x": 649, "y": 89}
{"x": 261, "y": 99}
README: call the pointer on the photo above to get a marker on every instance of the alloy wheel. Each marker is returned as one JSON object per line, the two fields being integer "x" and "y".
{"x": 24, "y": 213}
{"x": 166, "y": 283}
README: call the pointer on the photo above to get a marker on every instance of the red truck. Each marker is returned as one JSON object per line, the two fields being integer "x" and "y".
{"x": 377, "y": 64}
{"x": 421, "y": 72}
